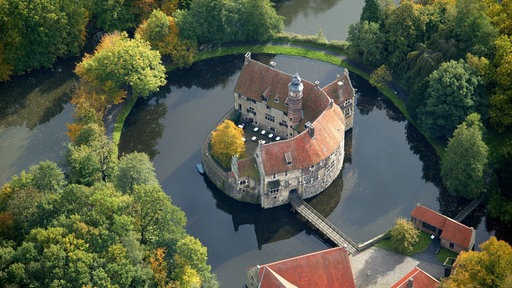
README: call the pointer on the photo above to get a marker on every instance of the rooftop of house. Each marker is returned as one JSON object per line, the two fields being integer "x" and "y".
{"x": 327, "y": 268}
{"x": 305, "y": 150}
{"x": 416, "y": 278}
{"x": 264, "y": 83}
{"x": 453, "y": 231}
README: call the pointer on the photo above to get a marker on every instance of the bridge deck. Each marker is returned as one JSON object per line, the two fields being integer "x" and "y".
{"x": 322, "y": 224}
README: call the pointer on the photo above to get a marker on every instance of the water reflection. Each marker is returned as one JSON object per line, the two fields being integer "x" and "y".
{"x": 36, "y": 98}
{"x": 145, "y": 122}
{"x": 207, "y": 74}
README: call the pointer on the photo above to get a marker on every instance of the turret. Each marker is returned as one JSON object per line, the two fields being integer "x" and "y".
{"x": 295, "y": 93}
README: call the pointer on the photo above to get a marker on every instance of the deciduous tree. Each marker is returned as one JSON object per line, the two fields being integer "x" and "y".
{"x": 161, "y": 32}
{"x": 126, "y": 63}
{"x": 464, "y": 165}
{"x": 227, "y": 142}
{"x": 381, "y": 76}
{"x": 404, "y": 235}
{"x": 451, "y": 96}
{"x": 134, "y": 169}
{"x": 366, "y": 43}
{"x": 489, "y": 267}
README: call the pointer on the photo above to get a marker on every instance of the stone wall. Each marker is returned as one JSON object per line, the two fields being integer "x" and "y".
{"x": 220, "y": 177}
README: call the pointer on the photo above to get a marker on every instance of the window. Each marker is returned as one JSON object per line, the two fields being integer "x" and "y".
{"x": 347, "y": 102}
{"x": 348, "y": 112}
{"x": 251, "y": 110}
{"x": 270, "y": 117}
{"x": 283, "y": 123}
{"x": 273, "y": 191}
{"x": 272, "y": 129}
{"x": 243, "y": 182}
{"x": 452, "y": 245}
{"x": 268, "y": 107}
{"x": 276, "y": 99}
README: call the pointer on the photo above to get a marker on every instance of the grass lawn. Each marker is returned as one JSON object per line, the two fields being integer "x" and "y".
{"x": 422, "y": 245}
{"x": 445, "y": 253}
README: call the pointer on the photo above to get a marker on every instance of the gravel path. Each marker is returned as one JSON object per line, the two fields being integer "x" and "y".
{"x": 376, "y": 267}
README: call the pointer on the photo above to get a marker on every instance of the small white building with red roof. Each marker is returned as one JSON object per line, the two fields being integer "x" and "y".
{"x": 454, "y": 235}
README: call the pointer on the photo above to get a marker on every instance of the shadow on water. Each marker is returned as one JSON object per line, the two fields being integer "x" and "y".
{"x": 207, "y": 74}
{"x": 143, "y": 128}
{"x": 275, "y": 224}
{"x": 35, "y": 98}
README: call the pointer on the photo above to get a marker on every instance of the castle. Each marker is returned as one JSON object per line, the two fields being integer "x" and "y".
{"x": 309, "y": 124}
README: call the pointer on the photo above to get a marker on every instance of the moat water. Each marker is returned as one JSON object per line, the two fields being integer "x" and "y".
{"x": 389, "y": 166}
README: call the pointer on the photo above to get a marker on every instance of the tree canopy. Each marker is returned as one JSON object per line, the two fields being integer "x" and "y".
{"x": 227, "y": 142}
{"x": 124, "y": 62}
{"x": 451, "y": 96}
{"x": 228, "y": 21}
{"x": 464, "y": 166}
{"x": 36, "y": 33}
{"x": 489, "y": 267}
{"x": 404, "y": 235}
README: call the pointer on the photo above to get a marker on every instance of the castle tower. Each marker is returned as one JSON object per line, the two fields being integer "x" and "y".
{"x": 295, "y": 88}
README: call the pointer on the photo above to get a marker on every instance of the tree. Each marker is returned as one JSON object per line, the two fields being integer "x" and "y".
{"x": 190, "y": 260}
{"x": 126, "y": 63}
{"x": 463, "y": 167}
{"x": 134, "y": 169}
{"x": 451, "y": 96}
{"x": 161, "y": 32}
{"x": 473, "y": 29}
{"x": 228, "y": 20}
{"x": 366, "y": 42}
{"x": 36, "y": 33}
{"x": 381, "y": 76}
{"x": 404, "y": 235}
{"x": 488, "y": 268}
{"x": 227, "y": 142}
{"x": 371, "y": 11}
{"x": 112, "y": 15}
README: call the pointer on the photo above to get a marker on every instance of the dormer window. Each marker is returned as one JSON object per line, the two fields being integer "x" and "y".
{"x": 288, "y": 158}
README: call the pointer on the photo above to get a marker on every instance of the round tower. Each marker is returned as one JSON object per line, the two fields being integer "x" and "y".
{"x": 295, "y": 88}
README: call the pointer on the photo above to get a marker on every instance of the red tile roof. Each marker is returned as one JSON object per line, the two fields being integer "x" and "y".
{"x": 328, "y": 268}
{"x": 304, "y": 150}
{"x": 420, "y": 279}
{"x": 257, "y": 79}
{"x": 347, "y": 90}
{"x": 453, "y": 231}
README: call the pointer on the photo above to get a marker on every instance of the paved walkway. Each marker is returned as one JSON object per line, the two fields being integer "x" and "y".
{"x": 377, "y": 267}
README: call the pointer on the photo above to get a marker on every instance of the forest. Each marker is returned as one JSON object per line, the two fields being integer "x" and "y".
{"x": 101, "y": 220}
{"x": 454, "y": 59}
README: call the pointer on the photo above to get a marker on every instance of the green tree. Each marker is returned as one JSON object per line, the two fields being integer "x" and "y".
{"x": 404, "y": 235}
{"x": 228, "y": 20}
{"x": 112, "y": 15}
{"x": 36, "y": 33}
{"x": 124, "y": 62}
{"x": 451, "y": 96}
{"x": 366, "y": 43}
{"x": 381, "y": 76}
{"x": 489, "y": 267}
{"x": 190, "y": 260}
{"x": 404, "y": 26}
{"x": 160, "y": 223}
{"x": 473, "y": 29}
{"x": 227, "y": 142}
{"x": 134, "y": 169}
{"x": 161, "y": 32}
{"x": 371, "y": 11}
{"x": 463, "y": 167}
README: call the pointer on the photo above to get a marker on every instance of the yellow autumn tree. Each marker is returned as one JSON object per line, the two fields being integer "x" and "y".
{"x": 227, "y": 141}
{"x": 487, "y": 268}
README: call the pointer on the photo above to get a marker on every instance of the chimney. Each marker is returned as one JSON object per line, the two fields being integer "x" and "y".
{"x": 317, "y": 84}
{"x": 410, "y": 283}
{"x": 311, "y": 129}
{"x": 272, "y": 64}
{"x": 247, "y": 57}
{"x": 331, "y": 102}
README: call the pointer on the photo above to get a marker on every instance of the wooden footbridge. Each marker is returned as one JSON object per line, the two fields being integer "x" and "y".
{"x": 323, "y": 225}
